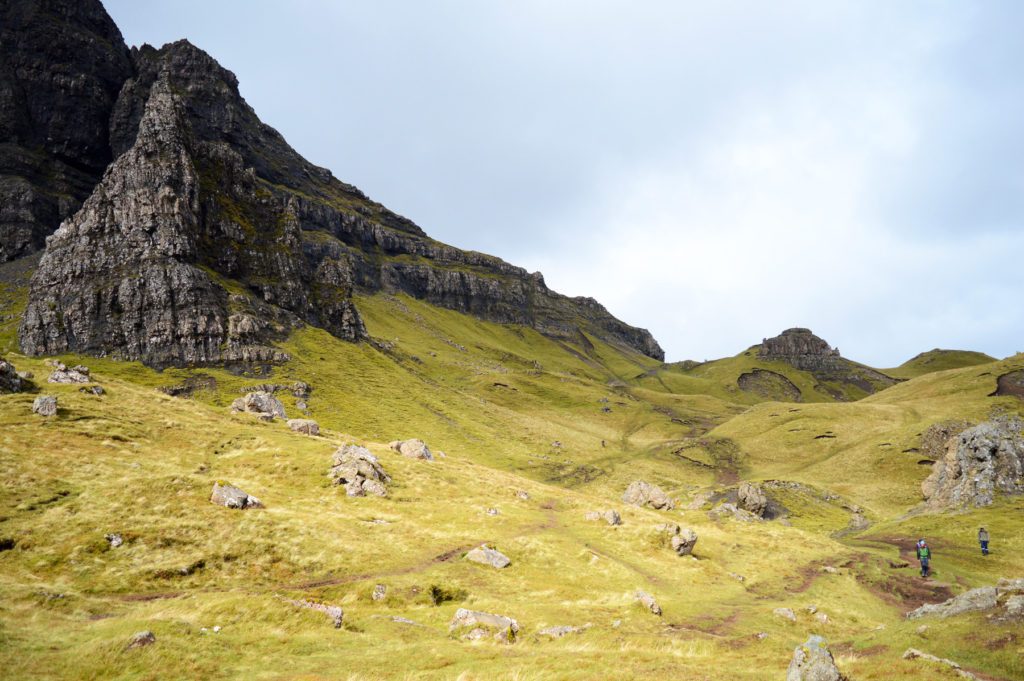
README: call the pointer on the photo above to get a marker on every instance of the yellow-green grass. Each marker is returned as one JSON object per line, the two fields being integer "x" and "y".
{"x": 137, "y": 462}
{"x": 938, "y": 360}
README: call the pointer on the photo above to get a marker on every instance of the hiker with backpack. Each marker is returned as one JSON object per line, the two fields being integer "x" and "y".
{"x": 983, "y": 540}
{"x": 924, "y": 555}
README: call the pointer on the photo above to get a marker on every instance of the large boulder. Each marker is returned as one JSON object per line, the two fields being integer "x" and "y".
{"x": 480, "y": 624}
{"x": 984, "y": 598}
{"x": 359, "y": 471}
{"x": 683, "y": 542}
{"x": 141, "y": 639}
{"x": 610, "y": 516}
{"x": 978, "y": 463}
{"x": 642, "y": 493}
{"x": 752, "y": 499}
{"x": 412, "y": 449}
{"x": 45, "y": 405}
{"x": 260, "y": 403}
{"x": 10, "y": 381}
{"x": 488, "y": 556}
{"x": 304, "y": 426}
{"x": 647, "y": 600}
{"x": 232, "y": 497}
{"x": 812, "y": 661}
{"x": 333, "y": 611}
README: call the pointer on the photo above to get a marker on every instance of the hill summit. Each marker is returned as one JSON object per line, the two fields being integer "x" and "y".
{"x": 801, "y": 349}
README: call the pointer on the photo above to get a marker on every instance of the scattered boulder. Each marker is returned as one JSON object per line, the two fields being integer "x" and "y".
{"x": 412, "y": 449}
{"x": 730, "y": 510}
{"x": 141, "y": 639}
{"x": 61, "y": 374}
{"x": 492, "y": 512}
{"x": 487, "y": 556}
{"x": 261, "y": 403}
{"x": 232, "y": 497}
{"x": 304, "y": 426}
{"x": 333, "y": 611}
{"x": 45, "y": 405}
{"x": 978, "y": 463}
{"x": 563, "y": 630}
{"x": 647, "y": 600}
{"x": 10, "y": 380}
{"x": 984, "y": 598}
{"x": 700, "y": 500}
{"x": 522, "y": 494}
{"x": 380, "y": 592}
{"x": 752, "y": 499}
{"x": 302, "y": 390}
{"x": 484, "y": 624}
{"x": 913, "y": 654}
{"x": 786, "y": 613}
{"x": 610, "y": 516}
{"x": 92, "y": 390}
{"x": 641, "y": 493}
{"x": 812, "y": 661}
{"x": 115, "y": 540}
{"x": 359, "y": 471}
{"x": 683, "y": 542}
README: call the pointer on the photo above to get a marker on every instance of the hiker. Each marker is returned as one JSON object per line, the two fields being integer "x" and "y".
{"x": 983, "y": 540}
{"x": 924, "y": 555}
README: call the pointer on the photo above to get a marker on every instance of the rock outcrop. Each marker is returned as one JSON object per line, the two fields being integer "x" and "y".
{"x": 262, "y": 404}
{"x": 232, "y": 497}
{"x": 984, "y": 598}
{"x": 801, "y": 349}
{"x": 488, "y": 556}
{"x": 978, "y": 463}
{"x": 643, "y": 493}
{"x": 481, "y": 624}
{"x": 752, "y": 499}
{"x": 359, "y": 471}
{"x": 62, "y": 65}
{"x": 812, "y": 661}
{"x": 304, "y": 426}
{"x": 209, "y": 238}
{"x": 412, "y": 449}
{"x": 647, "y": 601}
{"x": 610, "y": 516}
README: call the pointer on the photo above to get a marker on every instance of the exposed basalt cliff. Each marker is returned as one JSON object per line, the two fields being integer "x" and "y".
{"x": 62, "y": 65}
{"x": 209, "y": 237}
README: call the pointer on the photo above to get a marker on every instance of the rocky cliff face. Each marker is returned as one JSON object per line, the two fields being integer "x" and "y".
{"x": 801, "y": 349}
{"x": 62, "y": 65}
{"x": 209, "y": 237}
{"x": 978, "y": 463}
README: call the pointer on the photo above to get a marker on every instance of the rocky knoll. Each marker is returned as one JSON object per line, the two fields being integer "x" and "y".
{"x": 978, "y": 463}
{"x": 62, "y": 65}
{"x": 802, "y": 350}
{"x": 209, "y": 238}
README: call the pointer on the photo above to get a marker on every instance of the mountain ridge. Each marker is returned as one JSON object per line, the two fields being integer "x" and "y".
{"x": 252, "y": 233}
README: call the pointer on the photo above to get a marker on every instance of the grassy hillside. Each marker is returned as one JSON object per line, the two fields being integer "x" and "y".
{"x": 938, "y": 360}
{"x": 571, "y": 424}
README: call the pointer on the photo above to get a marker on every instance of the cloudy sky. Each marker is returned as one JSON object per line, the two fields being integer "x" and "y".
{"x": 713, "y": 171}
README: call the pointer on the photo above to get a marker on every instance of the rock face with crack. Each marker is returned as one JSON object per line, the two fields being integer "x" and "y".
{"x": 209, "y": 238}
{"x": 978, "y": 463}
{"x": 62, "y": 65}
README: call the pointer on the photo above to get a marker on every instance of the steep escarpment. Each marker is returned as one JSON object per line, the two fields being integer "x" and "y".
{"x": 62, "y": 65}
{"x": 208, "y": 216}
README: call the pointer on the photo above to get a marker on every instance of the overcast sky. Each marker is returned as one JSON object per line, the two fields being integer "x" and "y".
{"x": 715, "y": 172}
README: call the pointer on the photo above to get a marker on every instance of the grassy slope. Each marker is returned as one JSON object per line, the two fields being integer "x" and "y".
{"x": 938, "y": 360}
{"x": 495, "y": 400}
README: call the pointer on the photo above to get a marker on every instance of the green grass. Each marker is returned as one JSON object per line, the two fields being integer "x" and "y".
{"x": 512, "y": 410}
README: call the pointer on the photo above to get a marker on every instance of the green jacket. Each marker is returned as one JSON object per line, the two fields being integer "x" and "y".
{"x": 923, "y": 552}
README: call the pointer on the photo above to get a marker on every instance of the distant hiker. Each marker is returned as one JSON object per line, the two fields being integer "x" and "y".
{"x": 983, "y": 540}
{"x": 602, "y": 443}
{"x": 924, "y": 555}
